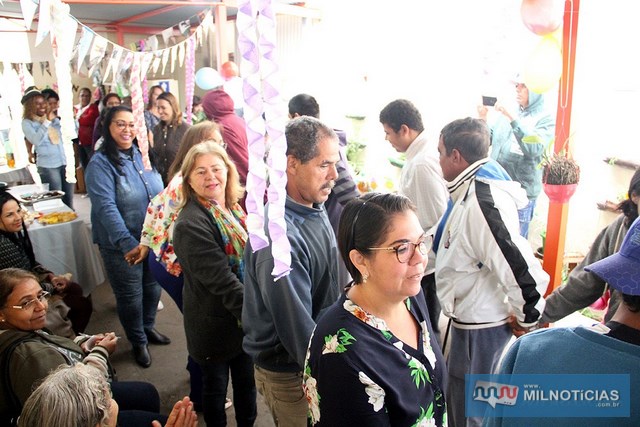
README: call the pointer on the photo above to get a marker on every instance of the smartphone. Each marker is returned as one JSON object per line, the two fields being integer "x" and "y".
{"x": 489, "y": 101}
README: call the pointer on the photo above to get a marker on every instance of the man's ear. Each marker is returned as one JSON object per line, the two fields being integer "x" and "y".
{"x": 404, "y": 130}
{"x": 292, "y": 164}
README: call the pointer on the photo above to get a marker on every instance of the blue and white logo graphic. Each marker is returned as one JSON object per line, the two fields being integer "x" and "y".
{"x": 549, "y": 395}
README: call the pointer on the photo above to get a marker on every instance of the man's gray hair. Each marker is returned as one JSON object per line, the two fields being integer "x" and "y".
{"x": 303, "y": 135}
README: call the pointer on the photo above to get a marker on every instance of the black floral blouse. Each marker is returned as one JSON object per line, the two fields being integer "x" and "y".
{"x": 358, "y": 373}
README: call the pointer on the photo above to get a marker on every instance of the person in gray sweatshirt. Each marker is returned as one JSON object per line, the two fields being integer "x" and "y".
{"x": 278, "y": 316}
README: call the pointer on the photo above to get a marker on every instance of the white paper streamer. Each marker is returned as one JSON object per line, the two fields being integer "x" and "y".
{"x": 64, "y": 32}
{"x": 174, "y": 58}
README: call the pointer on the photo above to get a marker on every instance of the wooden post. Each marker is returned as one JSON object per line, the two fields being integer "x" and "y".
{"x": 558, "y": 212}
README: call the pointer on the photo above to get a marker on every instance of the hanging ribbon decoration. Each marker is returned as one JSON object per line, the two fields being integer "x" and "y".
{"x": 63, "y": 32}
{"x": 256, "y": 42}
{"x": 253, "y": 109}
{"x": 190, "y": 76}
{"x": 137, "y": 104}
{"x": 275, "y": 120}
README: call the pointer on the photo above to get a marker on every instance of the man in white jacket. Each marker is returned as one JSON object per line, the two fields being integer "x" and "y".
{"x": 421, "y": 181}
{"x": 485, "y": 271}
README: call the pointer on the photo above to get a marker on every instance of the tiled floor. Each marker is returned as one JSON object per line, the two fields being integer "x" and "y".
{"x": 167, "y": 371}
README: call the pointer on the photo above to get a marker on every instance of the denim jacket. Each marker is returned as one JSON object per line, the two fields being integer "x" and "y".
{"x": 49, "y": 155}
{"x": 119, "y": 199}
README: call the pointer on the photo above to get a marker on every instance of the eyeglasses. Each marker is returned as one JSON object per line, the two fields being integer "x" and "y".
{"x": 121, "y": 125}
{"x": 29, "y": 305}
{"x": 405, "y": 251}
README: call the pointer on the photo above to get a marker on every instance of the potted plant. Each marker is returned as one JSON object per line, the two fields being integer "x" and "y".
{"x": 560, "y": 176}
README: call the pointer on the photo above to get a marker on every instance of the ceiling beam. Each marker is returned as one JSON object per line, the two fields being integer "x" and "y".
{"x": 146, "y": 2}
{"x": 148, "y": 14}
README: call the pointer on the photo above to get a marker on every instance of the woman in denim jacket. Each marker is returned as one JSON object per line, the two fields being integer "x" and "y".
{"x": 120, "y": 189}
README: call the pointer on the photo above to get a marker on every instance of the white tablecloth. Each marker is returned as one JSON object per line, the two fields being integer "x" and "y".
{"x": 66, "y": 248}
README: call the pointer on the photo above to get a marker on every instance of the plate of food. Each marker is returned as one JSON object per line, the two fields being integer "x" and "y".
{"x": 31, "y": 198}
{"x": 57, "y": 217}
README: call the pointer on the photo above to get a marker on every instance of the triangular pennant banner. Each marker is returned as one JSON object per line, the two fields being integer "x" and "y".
{"x": 83, "y": 45}
{"x": 156, "y": 65}
{"x": 165, "y": 59}
{"x": 181, "y": 54}
{"x": 29, "y": 8}
{"x": 152, "y": 43}
{"x": 174, "y": 58}
{"x": 144, "y": 65}
{"x": 166, "y": 35}
{"x": 185, "y": 28}
{"x": 44, "y": 20}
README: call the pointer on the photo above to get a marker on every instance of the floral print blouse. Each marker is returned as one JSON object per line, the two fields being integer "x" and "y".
{"x": 358, "y": 373}
{"x": 157, "y": 230}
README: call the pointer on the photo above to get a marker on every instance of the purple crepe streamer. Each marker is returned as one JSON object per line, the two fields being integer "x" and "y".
{"x": 190, "y": 73}
{"x": 253, "y": 109}
{"x": 275, "y": 122}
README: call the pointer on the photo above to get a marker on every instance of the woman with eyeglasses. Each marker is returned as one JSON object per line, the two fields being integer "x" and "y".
{"x": 157, "y": 234}
{"x": 120, "y": 188}
{"x": 72, "y": 310}
{"x": 28, "y": 352}
{"x": 373, "y": 358}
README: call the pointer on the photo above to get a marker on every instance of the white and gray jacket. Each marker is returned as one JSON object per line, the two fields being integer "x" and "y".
{"x": 485, "y": 270}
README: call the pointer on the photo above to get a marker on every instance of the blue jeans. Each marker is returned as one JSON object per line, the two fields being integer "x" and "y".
{"x": 137, "y": 294}
{"x": 216, "y": 378}
{"x": 525, "y": 215}
{"x": 56, "y": 177}
{"x": 139, "y": 403}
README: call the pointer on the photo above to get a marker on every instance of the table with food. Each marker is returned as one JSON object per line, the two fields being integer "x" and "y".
{"x": 61, "y": 240}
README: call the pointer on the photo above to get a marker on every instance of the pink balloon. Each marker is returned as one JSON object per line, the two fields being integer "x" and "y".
{"x": 542, "y": 16}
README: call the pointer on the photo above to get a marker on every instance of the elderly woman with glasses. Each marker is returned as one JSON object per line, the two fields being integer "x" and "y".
{"x": 373, "y": 358}
{"x": 71, "y": 311}
{"x": 28, "y": 352}
{"x": 120, "y": 188}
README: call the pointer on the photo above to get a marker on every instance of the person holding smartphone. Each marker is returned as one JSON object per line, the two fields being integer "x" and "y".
{"x": 518, "y": 141}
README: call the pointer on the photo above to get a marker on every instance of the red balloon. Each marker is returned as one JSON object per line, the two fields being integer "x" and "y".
{"x": 229, "y": 70}
{"x": 542, "y": 16}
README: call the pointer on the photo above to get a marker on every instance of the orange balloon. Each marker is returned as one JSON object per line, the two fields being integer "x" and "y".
{"x": 542, "y": 16}
{"x": 229, "y": 70}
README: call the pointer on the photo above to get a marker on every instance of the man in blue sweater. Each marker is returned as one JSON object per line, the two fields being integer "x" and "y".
{"x": 278, "y": 316}
{"x": 608, "y": 349}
